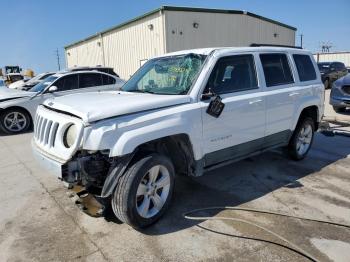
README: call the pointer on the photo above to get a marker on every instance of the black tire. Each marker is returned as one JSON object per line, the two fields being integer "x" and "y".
{"x": 293, "y": 143}
{"x": 5, "y": 113}
{"x": 124, "y": 199}
{"x": 339, "y": 109}
{"x": 326, "y": 84}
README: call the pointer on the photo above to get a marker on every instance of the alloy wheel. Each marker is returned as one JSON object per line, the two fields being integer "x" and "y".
{"x": 153, "y": 191}
{"x": 15, "y": 121}
{"x": 304, "y": 139}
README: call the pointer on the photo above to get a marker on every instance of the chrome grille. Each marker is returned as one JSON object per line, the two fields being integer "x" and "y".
{"x": 45, "y": 131}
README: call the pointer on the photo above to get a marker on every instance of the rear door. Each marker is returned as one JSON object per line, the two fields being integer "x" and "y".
{"x": 239, "y": 129}
{"x": 280, "y": 96}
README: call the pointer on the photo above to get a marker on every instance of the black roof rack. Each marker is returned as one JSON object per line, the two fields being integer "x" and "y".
{"x": 289, "y": 46}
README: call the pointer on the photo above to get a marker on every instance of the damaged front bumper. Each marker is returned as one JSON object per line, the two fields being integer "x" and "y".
{"x": 92, "y": 178}
{"x": 47, "y": 162}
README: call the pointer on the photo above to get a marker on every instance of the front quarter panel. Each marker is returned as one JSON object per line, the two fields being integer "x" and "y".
{"x": 26, "y": 103}
{"x": 123, "y": 134}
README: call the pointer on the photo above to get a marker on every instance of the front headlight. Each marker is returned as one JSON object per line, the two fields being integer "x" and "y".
{"x": 70, "y": 136}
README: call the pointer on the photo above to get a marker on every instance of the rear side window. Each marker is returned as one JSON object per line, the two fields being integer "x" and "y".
{"x": 305, "y": 67}
{"x": 276, "y": 69}
{"x": 68, "y": 82}
{"x": 89, "y": 80}
{"x": 233, "y": 74}
{"x": 108, "y": 80}
{"x": 339, "y": 66}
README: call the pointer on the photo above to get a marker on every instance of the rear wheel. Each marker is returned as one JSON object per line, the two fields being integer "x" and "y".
{"x": 339, "y": 109}
{"x": 302, "y": 138}
{"x": 14, "y": 121}
{"x": 144, "y": 192}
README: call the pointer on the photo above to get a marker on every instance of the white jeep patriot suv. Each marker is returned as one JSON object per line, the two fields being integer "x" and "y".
{"x": 181, "y": 113}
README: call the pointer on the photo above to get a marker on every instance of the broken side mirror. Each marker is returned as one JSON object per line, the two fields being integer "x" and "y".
{"x": 208, "y": 94}
{"x": 216, "y": 106}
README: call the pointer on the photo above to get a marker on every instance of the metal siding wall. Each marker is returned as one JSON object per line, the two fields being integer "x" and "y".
{"x": 88, "y": 53}
{"x": 126, "y": 47}
{"x": 340, "y": 57}
{"x": 217, "y": 30}
{"x": 123, "y": 48}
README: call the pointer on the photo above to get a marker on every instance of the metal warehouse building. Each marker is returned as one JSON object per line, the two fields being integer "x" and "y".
{"x": 343, "y": 57}
{"x": 127, "y": 46}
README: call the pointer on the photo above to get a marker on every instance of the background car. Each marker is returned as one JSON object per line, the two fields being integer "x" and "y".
{"x": 2, "y": 83}
{"x": 26, "y": 85}
{"x": 107, "y": 70}
{"x": 331, "y": 71}
{"x": 340, "y": 94}
{"x": 18, "y": 107}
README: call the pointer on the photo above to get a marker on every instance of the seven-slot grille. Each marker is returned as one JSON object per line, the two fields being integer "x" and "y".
{"x": 45, "y": 131}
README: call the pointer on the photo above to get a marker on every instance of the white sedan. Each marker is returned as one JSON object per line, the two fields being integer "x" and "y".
{"x": 17, "y": 108}
{"x": 22, "y": 85}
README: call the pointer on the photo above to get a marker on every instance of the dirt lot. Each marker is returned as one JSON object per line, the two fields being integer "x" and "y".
{"x": 39, "y": 222}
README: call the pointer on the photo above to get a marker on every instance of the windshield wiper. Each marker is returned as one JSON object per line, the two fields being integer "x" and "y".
{"x": 141, "y": 91}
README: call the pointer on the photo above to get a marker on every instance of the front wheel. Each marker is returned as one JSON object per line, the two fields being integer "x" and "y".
{"x": 14, "y": 121}
{"x": 144, "y": 192}
{"x": 302, "y": 138}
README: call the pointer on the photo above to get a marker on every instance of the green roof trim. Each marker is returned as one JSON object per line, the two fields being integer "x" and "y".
{"x": 182, "y": 9}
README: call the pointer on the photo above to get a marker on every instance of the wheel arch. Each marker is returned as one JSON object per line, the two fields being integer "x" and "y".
{"x": 177, "y": 147}
{"x": 311, "y": 111}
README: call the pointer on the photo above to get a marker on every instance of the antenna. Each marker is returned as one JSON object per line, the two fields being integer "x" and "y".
{"x": 301, "y": 40}
{"x": 58, "y": 60}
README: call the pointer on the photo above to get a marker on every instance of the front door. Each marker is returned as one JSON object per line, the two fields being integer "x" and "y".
{"x": 239, "y": 130}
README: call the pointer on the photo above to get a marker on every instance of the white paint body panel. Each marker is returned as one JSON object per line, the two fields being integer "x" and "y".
{"x": 120, "y": 121}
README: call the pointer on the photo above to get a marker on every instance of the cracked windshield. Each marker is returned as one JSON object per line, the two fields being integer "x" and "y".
{"x": 167, "y": 75}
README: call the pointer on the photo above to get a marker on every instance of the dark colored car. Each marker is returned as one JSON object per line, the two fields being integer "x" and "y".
{"x": 331, "y": 71}
{"x": 340, "y": 94}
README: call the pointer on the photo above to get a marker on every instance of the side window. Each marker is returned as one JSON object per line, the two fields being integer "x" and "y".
{"x": 276, "y": 69}
{"x": 340, "y": 66}
{"x": 107, "y": 80}
{"x": 232, "y": 74}
{"x": 67, "y": 83}
{"x": 305, "y": 67}
{"x": 89, "y": 80}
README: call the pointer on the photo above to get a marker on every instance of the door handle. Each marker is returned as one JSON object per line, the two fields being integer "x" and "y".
{"x": 255, "y": 101}
{"x": 294, "y": 94}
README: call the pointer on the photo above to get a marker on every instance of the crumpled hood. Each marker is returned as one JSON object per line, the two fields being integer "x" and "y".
{"x": 95, "y": 106}
{"x": 9, "y": 94}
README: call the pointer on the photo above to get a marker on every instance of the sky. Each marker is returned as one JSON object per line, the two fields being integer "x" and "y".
{"x": 32, "y": 31}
